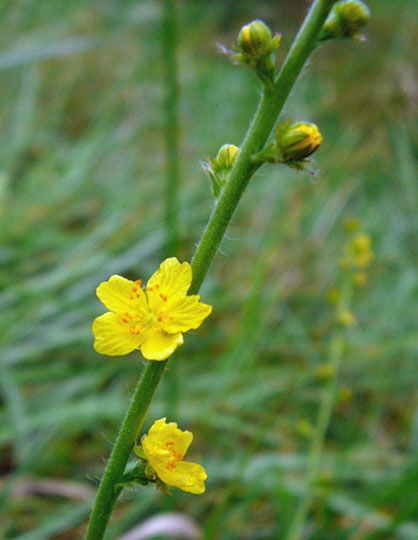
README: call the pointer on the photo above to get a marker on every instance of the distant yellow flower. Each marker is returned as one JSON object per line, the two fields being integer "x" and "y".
{"x": 358, "y": 251}
{"x": 346, "y": 317}
{"x": 164, "y": 447}
{"x": 153, "y": 318}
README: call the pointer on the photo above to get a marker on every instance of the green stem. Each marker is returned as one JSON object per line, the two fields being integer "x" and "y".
{"x": 128, "y": 433}
{"x": 263, "y": 122}
{"x": 171, "y": 126}
{"x": 269, "y": 108}
{"x": 336, "y": 350}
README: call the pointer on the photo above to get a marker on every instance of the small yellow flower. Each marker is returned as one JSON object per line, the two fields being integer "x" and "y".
{"x": 358, "y": 252}
{"x": 304, "y": 428}
{"x": 360, "y": 278}
{"x": 324, "y": 372}
{"x": 346, "y": 317}
{"x": 164, "y": 447}
{"x": 153, "y": 318}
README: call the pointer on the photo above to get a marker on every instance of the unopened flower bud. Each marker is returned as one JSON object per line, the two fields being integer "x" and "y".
{"x": 255, "y": 45}
{"x": 346, "y": 20}
{"x": 254, "y": 39}
{"x": 298, "y": 141}
{"x": 226, "y": 156}
{"x": 218, "y": 168}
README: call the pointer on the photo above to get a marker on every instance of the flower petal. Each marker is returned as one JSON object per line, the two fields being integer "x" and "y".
{"x": 121, "y": 295}
{"x": 186, "y": 476}
{"x": 171, "y": 280}
{"x": 158, "y": 345}
{"x": 160, "y": 432}
{"x": 184, "y": 314}
{"x": 113, "y": 336}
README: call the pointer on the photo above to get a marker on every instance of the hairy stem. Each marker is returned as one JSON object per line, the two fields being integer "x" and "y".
{"x": 128, "y": 433}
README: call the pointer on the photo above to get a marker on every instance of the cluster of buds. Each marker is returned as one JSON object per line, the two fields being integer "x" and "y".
{"x": 345, "y": 21}
{"x": 255, "y": 47}
{"x": 293, "y": 143}
{"x": 218, "y": 168}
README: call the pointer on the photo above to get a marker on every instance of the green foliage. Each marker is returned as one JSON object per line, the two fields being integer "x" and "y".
{"x": 81, "y": 182}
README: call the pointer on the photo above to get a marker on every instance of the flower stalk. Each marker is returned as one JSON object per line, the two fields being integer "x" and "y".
{"x": 335, "y": 356}
{"x": 270, "y": 106}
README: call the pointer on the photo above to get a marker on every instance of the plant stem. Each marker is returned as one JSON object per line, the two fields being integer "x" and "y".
{"x": 263, "y": 122}
{"x": 128, "y": 433}
{"x": 335, "y": 355}
{"x": 268, "y": 110}
{"x": 171, "y": 126}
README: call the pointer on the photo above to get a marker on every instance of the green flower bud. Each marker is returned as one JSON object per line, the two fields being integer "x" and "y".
{"x": 218, "y": 168}
{"x": 297, "y": 141}
{"x": 226, "y": 156}
{"x": 346, "y": 20}
{"x": 254, "y": 48}
{"x": 254, "y": 39}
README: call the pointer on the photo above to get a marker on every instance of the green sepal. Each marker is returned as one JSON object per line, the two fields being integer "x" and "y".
{"x": 135, "y": 476}
{"x": 139, "y": 452}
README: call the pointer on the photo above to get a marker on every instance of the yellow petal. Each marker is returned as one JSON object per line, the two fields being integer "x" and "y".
{"x": 171, "y": 280}
{"x": 184, "y": 314}
{"x": 113, "y": 336}
{"x": 121, "y": 295}
{"x": 158, "y": 345}
{"x": 187, "y": 476}
{"x": 160, "y": 432}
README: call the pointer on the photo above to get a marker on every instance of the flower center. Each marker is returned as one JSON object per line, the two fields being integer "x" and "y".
{"x": 138, "y": 322}
{"x": 149, "y": 320}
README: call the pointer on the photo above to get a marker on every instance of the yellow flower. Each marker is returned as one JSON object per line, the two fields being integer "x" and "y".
{"x": 358, "y": 251}
{"x": 346, "y": 317}
{"x": 153, "y": 318}
{"x": 164, "y": 448}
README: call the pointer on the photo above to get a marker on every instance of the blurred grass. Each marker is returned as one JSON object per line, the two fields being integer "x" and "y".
{"x": 81, "y": 183}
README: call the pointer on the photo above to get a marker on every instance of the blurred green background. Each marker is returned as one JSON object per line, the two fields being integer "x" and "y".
{"x": 81, "y": 198}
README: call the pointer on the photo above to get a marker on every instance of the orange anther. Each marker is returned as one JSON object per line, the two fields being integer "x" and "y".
{"x": 138, "y": 282}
